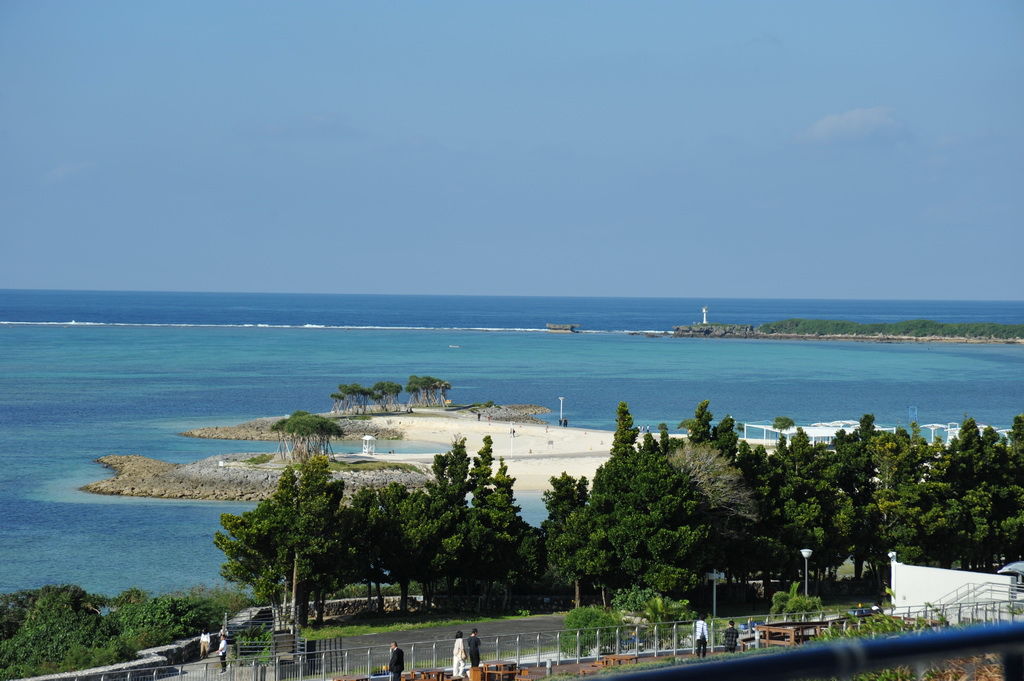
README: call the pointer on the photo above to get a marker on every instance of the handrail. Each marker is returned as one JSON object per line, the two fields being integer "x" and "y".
{"x": 968, "y": 592}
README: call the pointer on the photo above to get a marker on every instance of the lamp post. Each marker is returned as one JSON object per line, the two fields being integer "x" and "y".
{"x": 561, "y": 405}
{"x": 806, "y": 553}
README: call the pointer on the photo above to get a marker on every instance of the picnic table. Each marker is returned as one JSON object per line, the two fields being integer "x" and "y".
{"x": 437, "y": 674}
{"x": 352, "y": 677}
{"x": 498, "y": 670}
{"x": 789, "y": 633}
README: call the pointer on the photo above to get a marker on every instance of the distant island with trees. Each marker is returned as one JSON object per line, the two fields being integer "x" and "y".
{"x": 913, "y": 330}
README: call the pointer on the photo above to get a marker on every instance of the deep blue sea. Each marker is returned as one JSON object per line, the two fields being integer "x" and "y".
{"x": 83, "y": 374}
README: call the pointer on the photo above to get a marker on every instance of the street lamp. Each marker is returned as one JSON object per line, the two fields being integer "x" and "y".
{"x": 561, "y": 404}
{"x": 806, "y": 553}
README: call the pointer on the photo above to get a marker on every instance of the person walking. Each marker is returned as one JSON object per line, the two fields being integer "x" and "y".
{"x": 222, "y": 652}
{"x": 396, "y": 665}
{"x": 700, "y": 635}
{"x": 732, "y": 635}
{"x": 473, "y": 643}
{"x": 204, "y": 644}
{"x": 459, "y": 657}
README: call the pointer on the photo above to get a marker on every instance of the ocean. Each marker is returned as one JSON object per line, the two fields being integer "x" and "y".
{"x": 84, "y": 374}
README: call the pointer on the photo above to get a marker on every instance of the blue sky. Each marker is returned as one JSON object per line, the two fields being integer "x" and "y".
{"x": 725, "y": 149}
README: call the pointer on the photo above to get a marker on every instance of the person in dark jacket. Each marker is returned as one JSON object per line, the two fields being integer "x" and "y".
{"x": 396, "y": 665}
{"x": 732, "y": 635}
{"x": 473, "y": 648}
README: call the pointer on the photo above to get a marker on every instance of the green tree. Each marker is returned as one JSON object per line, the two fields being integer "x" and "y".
{"x": 699, "y": 427}
{"x": 566, "y": 497}
{"x": 496, "y": 529}
{"x": 446, "y": 493}
{"x": 307, "y": 434}
{"x": 294, "y": 540}
{"x": 725, "y": 439}
{"x": 856, "y": 474}
{"x": 764, "y": 549}
{"x": 643, "y": 515}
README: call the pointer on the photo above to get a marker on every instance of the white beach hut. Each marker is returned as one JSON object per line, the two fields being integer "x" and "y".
{"x": 369, "y": 444}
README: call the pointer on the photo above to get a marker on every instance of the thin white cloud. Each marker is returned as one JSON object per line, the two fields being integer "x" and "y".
{"x": 65, "y": 170}
{"x": 870, "y": 124}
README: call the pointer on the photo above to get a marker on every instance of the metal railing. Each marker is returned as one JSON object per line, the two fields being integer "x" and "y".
{"x": 534, "y": 649}
{"x": 982, "y": 591}
{"x": 916, "y": 653}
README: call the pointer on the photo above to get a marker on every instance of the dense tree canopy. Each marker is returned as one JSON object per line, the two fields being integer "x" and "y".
{"x": 659, "y": 513}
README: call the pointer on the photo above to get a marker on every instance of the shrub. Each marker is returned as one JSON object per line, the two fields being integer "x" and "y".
{"x": 214, "y": 601}
{"x": 794, "y": 601}
{"x": 633, "y": 599}
{"x": 588, "y": 620}
{"x": 158, "y": 620}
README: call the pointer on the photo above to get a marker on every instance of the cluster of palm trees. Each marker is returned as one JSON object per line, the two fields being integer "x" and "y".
{"x": 427, "y": 391}
{"x": 356, "y": 398}
{"x": 423, "y": 391}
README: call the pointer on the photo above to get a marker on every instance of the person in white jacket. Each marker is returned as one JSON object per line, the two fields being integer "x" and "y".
{"x": 459, "y": 657}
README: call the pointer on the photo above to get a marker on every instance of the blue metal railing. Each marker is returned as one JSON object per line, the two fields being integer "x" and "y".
{"x": 843, "y": 659}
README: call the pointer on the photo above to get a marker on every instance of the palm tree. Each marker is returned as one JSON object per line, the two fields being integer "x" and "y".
{"x": 783, "y": 423}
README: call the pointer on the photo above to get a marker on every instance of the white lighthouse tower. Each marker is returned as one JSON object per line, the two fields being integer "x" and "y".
{"x": 704, "y": 311}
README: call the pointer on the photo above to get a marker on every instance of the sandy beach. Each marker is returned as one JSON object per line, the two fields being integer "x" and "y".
{"x": 534, "y": 455}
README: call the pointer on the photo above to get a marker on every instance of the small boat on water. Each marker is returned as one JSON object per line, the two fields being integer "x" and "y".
{"x": 563, "y": 328}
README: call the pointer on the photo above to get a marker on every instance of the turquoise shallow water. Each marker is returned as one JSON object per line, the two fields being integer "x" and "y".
{"x": 69, "y": 394}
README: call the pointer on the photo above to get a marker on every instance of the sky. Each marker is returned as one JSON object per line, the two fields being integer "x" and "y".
{"x": 785, "y": 149}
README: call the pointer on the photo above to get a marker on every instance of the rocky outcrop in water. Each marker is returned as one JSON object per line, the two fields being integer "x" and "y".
{"x": 259, "y": 429}
{"x": 222, "y": 478}
{"x": 715, "y": 331}
{"x": 518, "y": 413}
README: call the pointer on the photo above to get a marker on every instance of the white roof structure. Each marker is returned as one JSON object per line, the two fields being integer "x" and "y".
{"x": 826, "y": 431}
{"x": 817, "y": 432}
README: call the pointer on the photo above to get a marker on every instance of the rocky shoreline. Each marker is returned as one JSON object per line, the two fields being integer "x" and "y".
{"x": 356, "y": 427}
{"x": 259, "y": 430}
{"x": 221, "y": 478}
{"x": 751, "y": 332}
{"x": 232, "y": 477}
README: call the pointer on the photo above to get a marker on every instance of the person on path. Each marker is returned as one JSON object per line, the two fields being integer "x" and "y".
{"x": 396, "y": 665}
{"x": 459, "y": 657}
{"x": 700, "y": 635}
{"x": 732, "y": 635}
{"x": 222, "y": 652}
{"x": 204, "y": 644}
{"x": 473, "y": 643}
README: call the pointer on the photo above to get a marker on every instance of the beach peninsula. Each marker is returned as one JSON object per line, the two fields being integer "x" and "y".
{"x": 533, "y": 450}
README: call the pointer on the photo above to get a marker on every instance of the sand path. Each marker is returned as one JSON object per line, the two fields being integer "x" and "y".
{"x": 536, "y": 453}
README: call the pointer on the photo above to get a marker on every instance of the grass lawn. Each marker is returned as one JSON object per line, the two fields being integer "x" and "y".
{"x": 349, "y": 466}
{"x": 379, "y": 625}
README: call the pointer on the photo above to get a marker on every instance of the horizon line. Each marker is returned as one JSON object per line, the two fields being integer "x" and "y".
{"x": 505, "y": 295}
